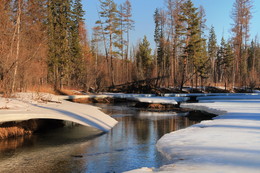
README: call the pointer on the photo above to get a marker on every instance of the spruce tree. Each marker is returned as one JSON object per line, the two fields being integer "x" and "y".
{"x": 228, "y": 56}
{"x": 228, "y": 62}
{"x": 193, "y": 41}
{"x": 77, "y": 59}
{"x": 163, "y": 49}
{"x": 144, "y": 58}
{"x": 212, "y": 51}
{"x": 59, "y": 22}
{"x": 220, "y": 60}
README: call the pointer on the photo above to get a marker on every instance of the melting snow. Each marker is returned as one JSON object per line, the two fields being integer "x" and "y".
{"x": 27, "y": 106}
{"x": 229, "y": 143}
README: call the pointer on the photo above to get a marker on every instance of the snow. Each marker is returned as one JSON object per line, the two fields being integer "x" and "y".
{"x": 25, "y": 106}
{"x": 230, "y": 97}
{"x": 229, "y": 143}
{"x": 209, "y": 94}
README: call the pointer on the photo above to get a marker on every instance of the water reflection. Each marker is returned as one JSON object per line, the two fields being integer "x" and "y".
{"x": 129, "y": 145}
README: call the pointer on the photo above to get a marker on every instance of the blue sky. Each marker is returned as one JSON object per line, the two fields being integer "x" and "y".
{"x": 218, "y": 14}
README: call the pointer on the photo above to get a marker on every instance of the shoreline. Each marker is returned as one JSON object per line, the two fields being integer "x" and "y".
{"x": 26, "y": 107}
{"x": 14, "y": 129}
{"x": 229, "y": 142}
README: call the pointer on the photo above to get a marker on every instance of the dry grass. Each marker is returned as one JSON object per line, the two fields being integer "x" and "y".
{"x": 42, "y": 88}
{"x": 94, "y": 100}
{"x": 70, "y": 91}
{"x": 50, "y": 89}
{"x": 4, "y": 107}
{"x": 82, "y": 100}
{"x": 10, "y": 132}
{"x": 17, "y": 129}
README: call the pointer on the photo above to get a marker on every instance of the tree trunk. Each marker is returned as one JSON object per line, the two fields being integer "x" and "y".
{"x": 17, "y": 45}
{"x": 183, "y": 73}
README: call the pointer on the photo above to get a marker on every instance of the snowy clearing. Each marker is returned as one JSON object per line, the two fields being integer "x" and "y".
{"x": 27, "y": 106}
{"x": 229, "y": 143}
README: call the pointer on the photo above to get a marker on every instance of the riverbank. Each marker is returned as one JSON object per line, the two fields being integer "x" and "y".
{"x": 129, "y": 145}
{"x": 31, "y": 106}
{"x": 229, "y": 143}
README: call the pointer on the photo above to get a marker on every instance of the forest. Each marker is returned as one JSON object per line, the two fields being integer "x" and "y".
{"x": 45, "y": 44}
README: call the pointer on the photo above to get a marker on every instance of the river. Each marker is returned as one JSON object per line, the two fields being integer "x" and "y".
{"x": 75, "y": 148}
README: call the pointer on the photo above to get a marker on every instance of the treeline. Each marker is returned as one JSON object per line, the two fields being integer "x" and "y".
{"x": 190, "y": 57}
{"x": 45, "y": 43}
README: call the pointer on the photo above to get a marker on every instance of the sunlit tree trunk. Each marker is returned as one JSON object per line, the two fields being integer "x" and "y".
{"x": 18, "y": 22}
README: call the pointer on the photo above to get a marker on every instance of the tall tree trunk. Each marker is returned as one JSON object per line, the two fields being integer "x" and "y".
{"x": 17, "y": 45}
{"x": 111, "y": 60}
{"x": 183, "y": 73}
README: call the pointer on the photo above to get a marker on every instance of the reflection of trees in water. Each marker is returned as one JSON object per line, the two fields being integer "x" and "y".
{"x": 78, "y": 149}
{"x": 172, "y": 124}
{"x": 137, "y": 127}
{"x": 8, "y": 145}
{"x": 143, "y": 127}
{"x": 48, "y": 152}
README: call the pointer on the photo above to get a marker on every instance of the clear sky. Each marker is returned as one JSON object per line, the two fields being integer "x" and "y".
{"x": 218, "y": 14}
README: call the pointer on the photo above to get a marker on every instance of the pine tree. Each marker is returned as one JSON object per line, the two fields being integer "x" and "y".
{"x": 126, "y": 24}
{"x": 174, "y": 27}
{"x": 111, "y": 32}
{"x": 241, "y": 15}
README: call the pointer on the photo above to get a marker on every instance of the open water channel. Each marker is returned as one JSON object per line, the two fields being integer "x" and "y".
{"x": 75, "y": 148}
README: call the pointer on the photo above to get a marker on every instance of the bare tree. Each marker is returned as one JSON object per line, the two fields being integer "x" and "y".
{"x": 241, "y": 15}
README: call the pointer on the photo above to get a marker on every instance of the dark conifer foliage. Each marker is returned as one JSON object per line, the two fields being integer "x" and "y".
{"x": 65, "y": 61}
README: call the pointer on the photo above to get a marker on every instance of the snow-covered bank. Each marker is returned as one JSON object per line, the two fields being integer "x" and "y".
{"x": 229, "y": 143}
{"x": 27, "y": 106}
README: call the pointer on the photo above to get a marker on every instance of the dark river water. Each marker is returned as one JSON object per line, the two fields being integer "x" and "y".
{"x": 75, "y": 148}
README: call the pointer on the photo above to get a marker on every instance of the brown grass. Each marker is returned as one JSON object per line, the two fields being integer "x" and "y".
{"x": 82, "y": 100}
{"x": 11, "y": 132}
{"x": 156, "y": 106}
{"x": 50, "y": 89}
{"x": 4, "y": 107}
{"x": 69, "y": 92}
{"x": 42, "y": 88}
{"x": 17, "y": 129}
{"x": 93, "y": 100}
